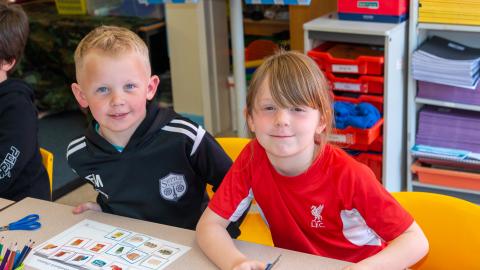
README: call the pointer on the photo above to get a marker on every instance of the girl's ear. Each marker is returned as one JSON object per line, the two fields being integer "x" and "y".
{"x": 152, "y": 86}
{"x": 79, "y": 95}
{"x": 249, "y": 120}
{"x": 317, "y": 137}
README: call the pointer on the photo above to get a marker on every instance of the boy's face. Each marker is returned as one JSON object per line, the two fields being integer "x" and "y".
{"x": 116, "y": 89}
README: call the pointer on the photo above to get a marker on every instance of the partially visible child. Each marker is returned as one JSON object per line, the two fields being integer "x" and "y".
{"x": 146, "y": 162}
{"x": 315, "y": 198}
{"x": 21, "y": 171}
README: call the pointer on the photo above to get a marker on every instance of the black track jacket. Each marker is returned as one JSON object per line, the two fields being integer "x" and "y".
{"x": 161, "y": 174}
{"x": 21, "y": 171}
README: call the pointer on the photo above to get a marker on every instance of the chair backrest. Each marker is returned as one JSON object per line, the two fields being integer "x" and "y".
{"x": 253, "y": 227}
{"x": 232, "y": 145}
{"x": 451, "y": 226}
{"x": 47, "y": 160}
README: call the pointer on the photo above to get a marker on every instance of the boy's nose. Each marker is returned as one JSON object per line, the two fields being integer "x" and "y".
{"x": 281, "y": 118}
{"x": 117, "y": 99}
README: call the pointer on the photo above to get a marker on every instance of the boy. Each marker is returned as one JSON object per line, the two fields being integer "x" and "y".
{"x": 21, "y": 171}
{"x": 146, "y": 162}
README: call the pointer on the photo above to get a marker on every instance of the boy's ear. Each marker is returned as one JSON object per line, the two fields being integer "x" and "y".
{"x": 152, "y": 86}
{"x": 7, "y": 66}
{"x": 79, "y": 95}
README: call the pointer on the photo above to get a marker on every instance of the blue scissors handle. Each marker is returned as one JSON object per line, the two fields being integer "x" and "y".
{"x": 28, "y": 223}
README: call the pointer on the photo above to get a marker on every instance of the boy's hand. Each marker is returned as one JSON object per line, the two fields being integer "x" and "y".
{"x": 250, "y": 265}
{"x": 87, "y": 206}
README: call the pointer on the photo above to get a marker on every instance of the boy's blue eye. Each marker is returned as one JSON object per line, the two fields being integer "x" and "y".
{"x": 102, "y": 90}
{"x": 130, "y": 86}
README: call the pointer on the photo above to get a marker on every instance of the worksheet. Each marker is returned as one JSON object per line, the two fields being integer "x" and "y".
{"x": 94, "y": 245}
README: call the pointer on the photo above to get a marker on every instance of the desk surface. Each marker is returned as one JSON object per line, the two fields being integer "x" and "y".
{"x": 4, "y": 203}
{"x": 56, "y": 218}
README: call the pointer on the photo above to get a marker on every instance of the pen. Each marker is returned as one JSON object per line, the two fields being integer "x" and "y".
{"x": 272, "y": 264}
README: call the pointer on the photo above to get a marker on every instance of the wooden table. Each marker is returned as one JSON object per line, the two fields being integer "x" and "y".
{"x": 56, "y": 218}
{"x": 4, "y": 203}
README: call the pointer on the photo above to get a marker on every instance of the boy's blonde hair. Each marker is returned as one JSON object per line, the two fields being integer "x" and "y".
{"x": 294, "y": 80}
{"x": 112, "y": 40}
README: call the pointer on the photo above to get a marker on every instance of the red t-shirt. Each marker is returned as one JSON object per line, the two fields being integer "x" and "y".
{"x": 335, "y": 209}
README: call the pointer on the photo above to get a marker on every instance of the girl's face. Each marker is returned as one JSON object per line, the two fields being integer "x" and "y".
{"x": 284, "y": 132}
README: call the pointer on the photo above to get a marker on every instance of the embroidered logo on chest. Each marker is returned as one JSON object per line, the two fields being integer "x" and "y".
{"x": 173, "y": 187}
{"x": 316, "y": 212}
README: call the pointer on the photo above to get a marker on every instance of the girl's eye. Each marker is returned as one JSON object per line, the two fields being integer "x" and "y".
{"x": 130, "y": 86}
{"x": 268, "y": 108}
{"x": 298, "y": 109}
{"x": 102, "y": 90}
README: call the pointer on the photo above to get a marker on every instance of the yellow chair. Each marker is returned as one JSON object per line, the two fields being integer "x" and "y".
{"x": 47, "y": 161}
{"x": 253, "y": 227}
{"x": 451, "y": 226}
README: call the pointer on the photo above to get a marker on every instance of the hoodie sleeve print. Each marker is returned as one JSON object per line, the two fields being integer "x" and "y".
{"x": 17, "y": 139}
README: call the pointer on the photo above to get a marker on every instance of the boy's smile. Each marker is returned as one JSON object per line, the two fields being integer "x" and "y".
{"x": 116, "y": 89}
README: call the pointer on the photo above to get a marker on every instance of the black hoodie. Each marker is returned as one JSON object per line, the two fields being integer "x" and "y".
{"x": 161, "y": 174}
{"x": 21, "y": 171}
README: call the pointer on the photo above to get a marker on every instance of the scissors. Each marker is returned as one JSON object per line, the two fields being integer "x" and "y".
{"x": 272, "y": 264}
{"x": 28, "y": 223}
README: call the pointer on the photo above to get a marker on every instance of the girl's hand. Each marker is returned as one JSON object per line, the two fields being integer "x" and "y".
{"x": 250, "y": 265}
{"x": 87, "y": 206}
{"x": 356, "y": 267}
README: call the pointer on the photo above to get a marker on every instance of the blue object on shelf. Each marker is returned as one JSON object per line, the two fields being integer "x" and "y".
{"x": 372, "y": 17}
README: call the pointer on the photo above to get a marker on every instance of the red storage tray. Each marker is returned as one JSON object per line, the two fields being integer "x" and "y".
{"x": 378, "y": 7}
{"x": 362, "y": 84}
{"x": 372, "y": 160}
{"x": 356, "y": 138}
{"x": 372, "y": 65}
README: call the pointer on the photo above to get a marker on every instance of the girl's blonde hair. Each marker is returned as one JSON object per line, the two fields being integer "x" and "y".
{"x": 294, "y": 80}
{"x": 112, "y": 40}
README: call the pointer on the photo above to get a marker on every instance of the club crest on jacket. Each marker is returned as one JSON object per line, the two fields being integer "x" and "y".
{"x": 173, "y": 187}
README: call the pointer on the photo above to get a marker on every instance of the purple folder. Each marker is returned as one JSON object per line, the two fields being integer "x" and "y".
{"x": 448, "y": 93}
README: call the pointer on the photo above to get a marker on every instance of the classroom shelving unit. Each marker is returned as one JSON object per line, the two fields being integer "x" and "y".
{"x": 419, "y": 32}
{"x": 393, "y": 38}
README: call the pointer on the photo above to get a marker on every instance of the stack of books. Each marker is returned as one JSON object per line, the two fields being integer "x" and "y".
{"x": 449, "y": 128}
{"x": 449, "y": 11}
{"x": 443, "y": 61}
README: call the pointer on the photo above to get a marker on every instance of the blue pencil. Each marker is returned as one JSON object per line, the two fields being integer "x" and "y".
{"x": 29, "y": 248}
{"x": 20, "y": 255}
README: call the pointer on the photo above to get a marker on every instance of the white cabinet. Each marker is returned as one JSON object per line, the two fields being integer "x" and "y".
{"x": 419, "y": 32}
{"x": 393, "y": 38}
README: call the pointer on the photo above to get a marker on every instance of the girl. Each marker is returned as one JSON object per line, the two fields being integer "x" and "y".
{"x": 315, "y": 198}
